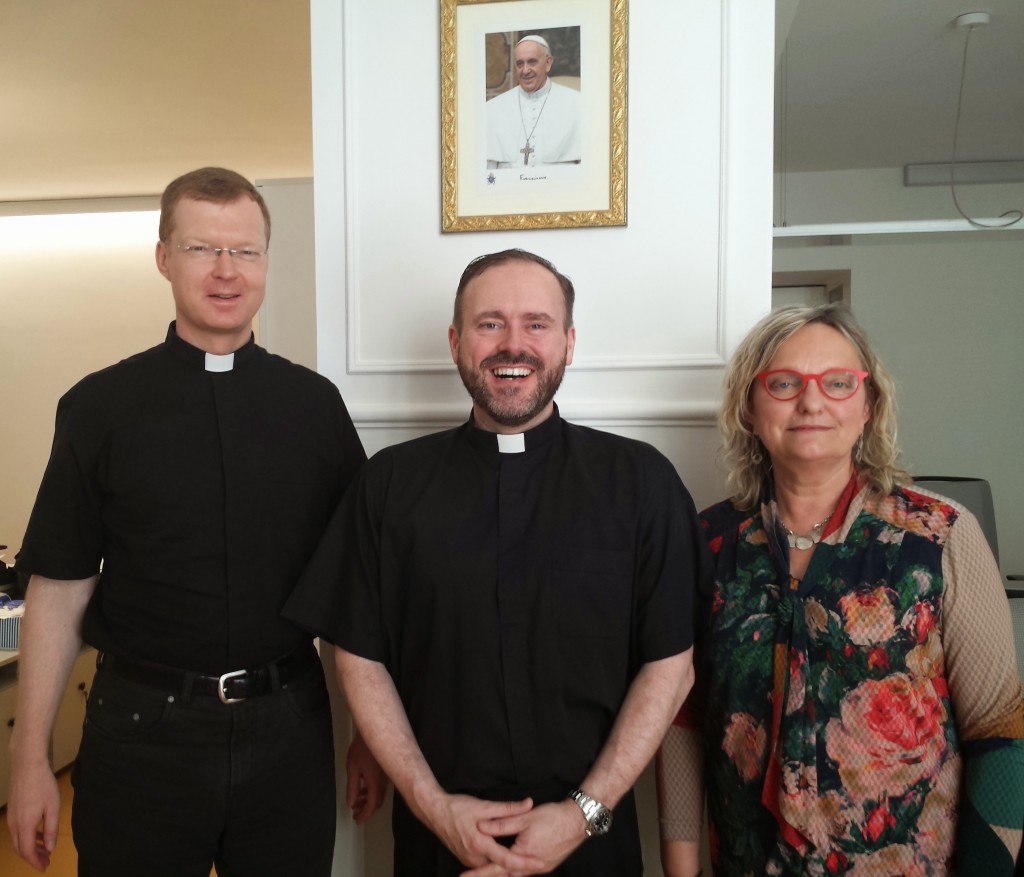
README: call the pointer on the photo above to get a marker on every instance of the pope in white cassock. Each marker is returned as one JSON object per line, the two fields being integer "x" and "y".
{"x": 538, "y": 121}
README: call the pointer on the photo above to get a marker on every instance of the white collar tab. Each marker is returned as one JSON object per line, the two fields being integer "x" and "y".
{"x": 512, "y": 444}
{"x": 220, "y": 362}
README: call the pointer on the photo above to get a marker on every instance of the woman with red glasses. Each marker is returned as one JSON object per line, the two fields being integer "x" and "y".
{"x": 858, "y": 708}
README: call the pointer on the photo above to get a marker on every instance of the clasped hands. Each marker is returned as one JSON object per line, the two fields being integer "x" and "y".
{"x": 544, "y": 835}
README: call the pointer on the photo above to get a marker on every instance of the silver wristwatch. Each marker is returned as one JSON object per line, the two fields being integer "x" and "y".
{"x": 599, "y": 817}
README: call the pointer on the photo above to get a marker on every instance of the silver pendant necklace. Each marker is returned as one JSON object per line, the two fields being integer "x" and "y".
{"x": 805, "y": 541}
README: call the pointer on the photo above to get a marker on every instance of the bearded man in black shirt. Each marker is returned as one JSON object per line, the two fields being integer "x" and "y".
{"x": 200, "y": 474}
{"x": 512, "y": 605}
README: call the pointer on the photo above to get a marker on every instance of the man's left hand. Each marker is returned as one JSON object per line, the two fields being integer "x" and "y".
{"x": 549, "y": 833}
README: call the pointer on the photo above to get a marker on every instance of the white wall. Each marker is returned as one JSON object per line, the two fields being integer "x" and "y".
{"x": 946, "y": 313}
{"x": 661, "y": 303}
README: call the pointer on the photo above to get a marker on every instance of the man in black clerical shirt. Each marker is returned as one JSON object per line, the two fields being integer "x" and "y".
{"x": 512, "y": 605}
{"x": 200, "y": 474}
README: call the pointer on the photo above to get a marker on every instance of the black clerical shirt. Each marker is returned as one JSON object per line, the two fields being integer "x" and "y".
{"x": 203, "y": 493}
{"x": 512, "y": 596}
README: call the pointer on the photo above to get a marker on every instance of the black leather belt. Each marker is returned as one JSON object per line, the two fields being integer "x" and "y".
{"x": 231, "y": 687}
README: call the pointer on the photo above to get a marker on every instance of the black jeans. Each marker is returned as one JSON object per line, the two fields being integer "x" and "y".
{"x": 167, "y": 788}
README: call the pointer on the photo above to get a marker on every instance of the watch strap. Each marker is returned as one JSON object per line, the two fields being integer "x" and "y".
{"x": 597, "y": 816}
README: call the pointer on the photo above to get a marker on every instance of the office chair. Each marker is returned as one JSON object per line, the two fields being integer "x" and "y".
{"x": 1016, "y": 595}
{"x": 974, "y": 494}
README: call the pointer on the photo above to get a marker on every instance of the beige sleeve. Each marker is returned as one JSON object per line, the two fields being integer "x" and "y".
{"x": 680, "y": 774}
{"x": 977, "y": 637}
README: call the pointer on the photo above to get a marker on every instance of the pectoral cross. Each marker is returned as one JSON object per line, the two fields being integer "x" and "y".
{"x": 527, "y": 151}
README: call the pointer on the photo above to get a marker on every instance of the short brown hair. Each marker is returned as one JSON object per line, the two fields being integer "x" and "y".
{"x": 482, "y": 263}
{"x": 216, "y": 184}
{"x": 746, "y": 466}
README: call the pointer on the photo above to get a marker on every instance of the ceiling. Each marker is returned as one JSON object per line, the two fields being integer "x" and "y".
{"x": 103, "y": 98}
{"x": 874, "y": 83}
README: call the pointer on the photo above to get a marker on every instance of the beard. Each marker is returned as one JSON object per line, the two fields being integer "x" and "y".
{"x": 510, "y": 407}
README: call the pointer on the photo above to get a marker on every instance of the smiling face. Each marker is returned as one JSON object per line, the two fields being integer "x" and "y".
{"x": 513, "y": 345}
{"x": 532, "y": 65}
{"x": 811, "y": 428}
{"x": 215, "y": 301}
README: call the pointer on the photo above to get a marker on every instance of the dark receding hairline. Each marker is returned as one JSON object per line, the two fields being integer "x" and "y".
{"x": 492, "y": 260}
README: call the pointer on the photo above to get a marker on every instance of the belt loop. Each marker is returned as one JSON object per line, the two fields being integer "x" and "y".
{"x": 186, "y": 688}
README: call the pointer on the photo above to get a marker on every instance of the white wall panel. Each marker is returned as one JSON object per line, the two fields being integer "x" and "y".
{"x": 660, "y": 302}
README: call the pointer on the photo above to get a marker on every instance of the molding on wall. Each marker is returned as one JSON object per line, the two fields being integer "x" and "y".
{"x": 737, "y": 276}
{"x": 745, "y": 251}
{"x": 721, "y": 268}
{"x": 579, "y": 364}
{"x": 622, "y": 414}
{"x": 731, "y": 110}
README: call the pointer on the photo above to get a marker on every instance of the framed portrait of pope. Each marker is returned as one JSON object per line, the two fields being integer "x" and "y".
{"x": 533, "y": 114}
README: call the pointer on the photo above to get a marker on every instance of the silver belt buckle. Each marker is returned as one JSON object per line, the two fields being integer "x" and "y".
{"x": 220, "y": 686}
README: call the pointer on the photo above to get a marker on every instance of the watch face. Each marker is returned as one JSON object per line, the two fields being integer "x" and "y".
{"x": 602, "y": 821}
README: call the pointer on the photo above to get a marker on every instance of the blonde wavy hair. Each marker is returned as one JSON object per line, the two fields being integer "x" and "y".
{"x": 742, "y": 455}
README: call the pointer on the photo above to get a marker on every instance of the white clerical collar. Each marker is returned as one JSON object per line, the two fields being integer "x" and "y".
{"x": 512, "y": 444}
{"x": 220, "y": 362}
{"x": 538, "y": 94}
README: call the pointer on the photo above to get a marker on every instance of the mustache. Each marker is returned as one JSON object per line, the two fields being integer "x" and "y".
{"x": 520, "y": 359}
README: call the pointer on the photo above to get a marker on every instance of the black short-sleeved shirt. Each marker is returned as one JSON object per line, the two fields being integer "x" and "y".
{"x": 512, "y": 596}
{"x": 203, "y": 493}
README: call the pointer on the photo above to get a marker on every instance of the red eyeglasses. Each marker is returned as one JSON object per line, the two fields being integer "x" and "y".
{"x": 836, "y": 383}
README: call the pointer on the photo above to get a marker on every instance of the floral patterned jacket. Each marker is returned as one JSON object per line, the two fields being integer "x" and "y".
{"x": 866, "y": 720}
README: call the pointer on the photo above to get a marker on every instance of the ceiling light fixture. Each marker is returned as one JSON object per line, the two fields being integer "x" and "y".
{"x": 968, "y": 22}
{"x": 972, "y": 19}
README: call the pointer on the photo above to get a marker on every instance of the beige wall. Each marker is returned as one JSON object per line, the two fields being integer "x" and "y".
{"x": 65, "y": 311}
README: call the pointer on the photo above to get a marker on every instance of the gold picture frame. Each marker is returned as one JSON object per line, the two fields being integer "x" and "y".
{"x": 482, "y": 193}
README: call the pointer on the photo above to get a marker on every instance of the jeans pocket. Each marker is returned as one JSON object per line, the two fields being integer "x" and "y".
{"x": 122, "y": 710}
